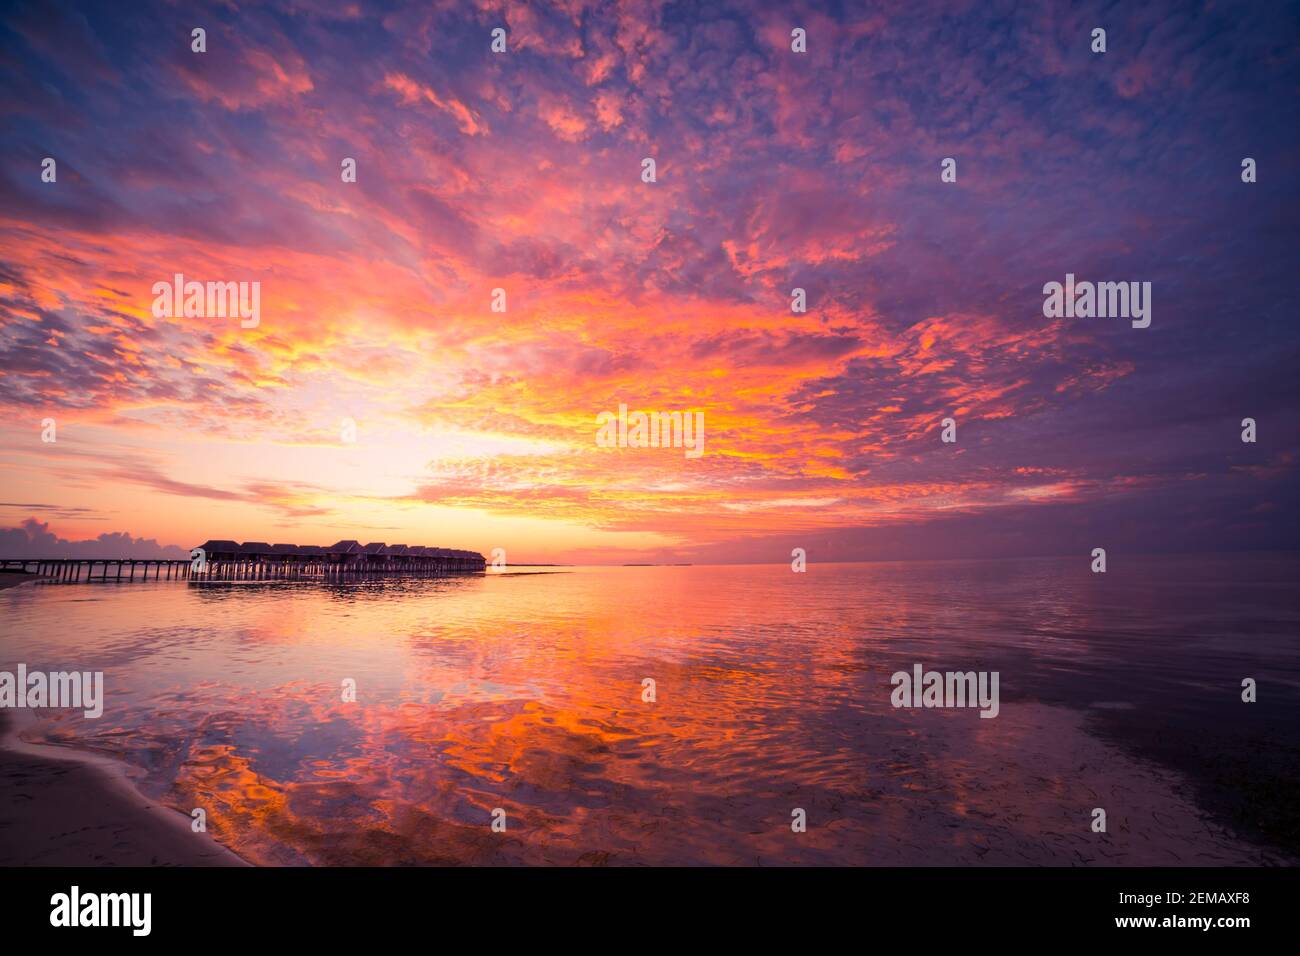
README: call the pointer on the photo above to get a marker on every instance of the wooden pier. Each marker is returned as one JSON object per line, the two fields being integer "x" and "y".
{"x": 73, "y": 570}
{"x": 256, "y": 561}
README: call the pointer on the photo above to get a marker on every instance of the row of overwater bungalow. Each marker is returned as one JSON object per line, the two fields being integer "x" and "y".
{"x": 228, "y": 560}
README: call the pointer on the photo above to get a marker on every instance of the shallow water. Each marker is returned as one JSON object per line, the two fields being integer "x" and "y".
{"x": 524, "y": 692}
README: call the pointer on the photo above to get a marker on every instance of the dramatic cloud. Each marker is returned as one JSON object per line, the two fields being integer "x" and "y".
{"x": 776, "y": 171}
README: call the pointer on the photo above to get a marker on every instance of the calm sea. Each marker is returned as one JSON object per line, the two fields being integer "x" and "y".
{"x": 523, "y": 693}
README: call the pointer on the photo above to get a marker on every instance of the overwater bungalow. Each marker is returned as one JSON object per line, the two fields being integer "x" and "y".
{"x": 396, "y": 555}
{"x": 374, "y": 556}
{"x": 284, "y": 554}
{"x": 220, "y": 550}
{"x": 345, "y": 552}
{"x": 228, "y": 560}
{"x": 467, "y": 561}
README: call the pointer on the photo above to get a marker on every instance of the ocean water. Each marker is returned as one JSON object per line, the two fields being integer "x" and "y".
{"x": 523, "y": 693}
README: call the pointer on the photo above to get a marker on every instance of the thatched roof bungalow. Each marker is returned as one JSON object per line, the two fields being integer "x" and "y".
{"x": 342, "y": 555}
{"x": 345, "y": 552}
{"x": 397, "y": 553}
{"x": 220, "y": 550}
{"x": 310, "y": 553}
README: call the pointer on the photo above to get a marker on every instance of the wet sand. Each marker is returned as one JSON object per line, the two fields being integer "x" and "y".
{"x": 66, "y": 809}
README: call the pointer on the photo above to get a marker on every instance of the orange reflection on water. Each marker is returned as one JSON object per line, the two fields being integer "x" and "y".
{"x": 524, "y": 693}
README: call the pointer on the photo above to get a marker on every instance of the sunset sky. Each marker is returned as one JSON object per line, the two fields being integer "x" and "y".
{"x": 775, "y": 170}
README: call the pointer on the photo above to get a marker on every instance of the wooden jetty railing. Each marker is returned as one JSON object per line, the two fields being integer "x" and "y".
{"x": 124, "y": 569}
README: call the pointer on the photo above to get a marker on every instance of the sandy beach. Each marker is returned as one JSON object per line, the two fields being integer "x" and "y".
{"x": 60, "y": 809}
